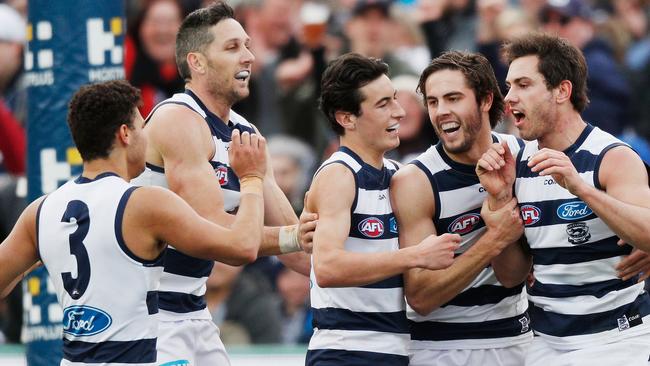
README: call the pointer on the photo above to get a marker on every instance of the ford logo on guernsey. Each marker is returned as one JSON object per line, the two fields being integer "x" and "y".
{"x": 530, "y": 214}
{"x": 573, "y": 210}
{"x": 371, "y": 227}
{"x": 82, "y": 321}
{"x": 464, "y": 224}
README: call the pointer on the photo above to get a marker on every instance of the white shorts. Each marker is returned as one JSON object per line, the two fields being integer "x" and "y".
{"x": 633, "y": 351}
{"x": 507, "y": 356}
{"x": 190, "y": 343}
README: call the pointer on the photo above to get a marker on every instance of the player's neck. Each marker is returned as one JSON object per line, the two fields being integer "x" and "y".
{"x": 215, "y": 105}
{"x": 478, "y": 148}
{"x": 93, "y": 168}
{"x": 369, "y": 156}
{"x": 564, "y": 133}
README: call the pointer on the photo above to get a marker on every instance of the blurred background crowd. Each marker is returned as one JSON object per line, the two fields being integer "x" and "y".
{"x": 292, "y": 41}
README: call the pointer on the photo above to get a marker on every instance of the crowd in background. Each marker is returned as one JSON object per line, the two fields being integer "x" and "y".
{"x": 292, "y": 41}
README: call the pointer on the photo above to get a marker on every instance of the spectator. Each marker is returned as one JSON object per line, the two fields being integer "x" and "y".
{"x": 150, "y": 62}
{"x": 296, "y": 312}
{"x": 293, "y": 163}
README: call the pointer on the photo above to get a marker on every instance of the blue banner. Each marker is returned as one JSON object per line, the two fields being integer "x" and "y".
{"x": 70, "y": 43}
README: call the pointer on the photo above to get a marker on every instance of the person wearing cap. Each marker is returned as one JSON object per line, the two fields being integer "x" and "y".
{"x": 609, "y": 90}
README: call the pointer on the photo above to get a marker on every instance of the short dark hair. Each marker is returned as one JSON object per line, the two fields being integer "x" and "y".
{"x": 97, "y": 111}
{"x": 194, "y": 33}
{"x": 558, "y": 61}
{"x": 479, "y": 76}
{"x": 341, "y": 82}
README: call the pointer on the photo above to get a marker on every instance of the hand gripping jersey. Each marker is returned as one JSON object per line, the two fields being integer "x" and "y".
{"x": 577, "y": 299}
{"x": 182, "y": 287}
{"x": 363, "y": 325}
{"x": 107, "y": 293}
{"x": 485, "y": 314}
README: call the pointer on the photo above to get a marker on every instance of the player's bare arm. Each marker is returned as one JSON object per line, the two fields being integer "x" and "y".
{"x": 18, "y": 251}
{"x": 414, "y": 207}
{"x": 496, "y": 171}
{"x": 185, "y": 150}
{"x": 283, "y": 231}
{"x": 173, "y": 221}
{"x": 624, "y": 202}
{"x": 331, "y": 197}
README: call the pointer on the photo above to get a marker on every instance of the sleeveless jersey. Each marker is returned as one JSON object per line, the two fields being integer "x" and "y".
{"x": 107, "y": 293}
{"x": 182, "y": 286}
{"x": 485, "y": 314}
{"x": 576, "y": 300}
{"x": 363, "y": 325}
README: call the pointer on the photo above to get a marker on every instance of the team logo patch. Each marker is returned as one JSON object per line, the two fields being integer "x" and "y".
{"x": 222, "y": 175}
{"x": 575, "y": 210}
{"x": 525, "y": 324}
{"x": 371, "y": 227}
{"x": 464, "y": 224}
{"x": 628, "y": 321}
{"x": 83, "y": 321}
{"x": 392, "y": 224}
{"x": 578, "y": 233}
{"x": 530, "y": 214}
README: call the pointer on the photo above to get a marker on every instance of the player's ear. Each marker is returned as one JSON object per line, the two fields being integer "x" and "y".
{"x": 196, "y": 62}
{"x": 486, "y": 103}
{"x": 123, "y": 134}
{"x": 347, "y": 120}
{"x": 563, "y": 92}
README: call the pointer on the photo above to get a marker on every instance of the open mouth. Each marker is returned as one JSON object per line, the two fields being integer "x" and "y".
{"x": 242, "y": 75}
{"x": 518, "y": 116}
{"x": 450, "y": 127}
{"x": 393, "y": 128}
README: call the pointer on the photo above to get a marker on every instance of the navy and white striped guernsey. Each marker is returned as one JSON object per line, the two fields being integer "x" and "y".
{"x": 182, "y": 287}
{"x": 576, "y": 300}
{"x": 79, "y": 236}
{"x": 363, "y": 325}
{"x": 485, "y": 314}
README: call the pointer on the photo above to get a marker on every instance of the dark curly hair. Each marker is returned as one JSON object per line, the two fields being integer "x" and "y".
{"x": 194, "y": 34}
{"x": 479, "y": 76}
{"x": 558, "y": 61}
{"x": 341, "y": 82}
{"x": 96, "y": 112}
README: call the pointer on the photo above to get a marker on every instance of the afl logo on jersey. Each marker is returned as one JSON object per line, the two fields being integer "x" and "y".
{"x": 573, "y": 210}
{"x": 464, "y": 224}
{"x": 222, "y": 175}
{"x": 530, "y": 214}
{"x": 83, "y": 321}
{"x": 371, "y": 227}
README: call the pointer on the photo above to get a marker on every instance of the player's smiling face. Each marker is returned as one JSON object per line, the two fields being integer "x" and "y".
{"x": 453, "y": 110}
{"x": 381, "y": 113}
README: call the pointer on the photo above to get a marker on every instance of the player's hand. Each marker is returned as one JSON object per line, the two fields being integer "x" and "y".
{"x": 496, "y": 171}
{"x": 247, "y": 154}
{"x": 557, "y": 165}
{"x": 505, "y": 223}
{"x": 437, "y": 252}
{"x": 306, "y": 228}
{"x": 637, "y": 263}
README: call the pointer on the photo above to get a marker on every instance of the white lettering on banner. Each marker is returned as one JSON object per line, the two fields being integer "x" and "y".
{"x": 52, "y": 171}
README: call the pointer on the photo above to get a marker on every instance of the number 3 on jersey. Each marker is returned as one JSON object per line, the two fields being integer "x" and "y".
{"x": 78, "y": 211}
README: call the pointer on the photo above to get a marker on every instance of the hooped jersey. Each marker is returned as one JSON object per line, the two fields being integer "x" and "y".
{"x": 108, "y": 294}
{"x": 485, "y": 314}
{"x": 182, "y": 287}
{"x": 364, "y": 325}
{"x": 577, "y": 299}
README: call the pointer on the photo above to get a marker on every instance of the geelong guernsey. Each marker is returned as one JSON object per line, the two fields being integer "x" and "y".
{"x": 576, "y": 300}
{"x": 363, "y": 325}
{"x": 108, "y": 294}
{"x": 485, "y": 314}
{"x": 182, "y": 287}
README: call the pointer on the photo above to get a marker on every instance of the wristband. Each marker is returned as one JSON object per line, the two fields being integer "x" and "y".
{"x": 251, "y": 184}
{"x": 288, "y": 239}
